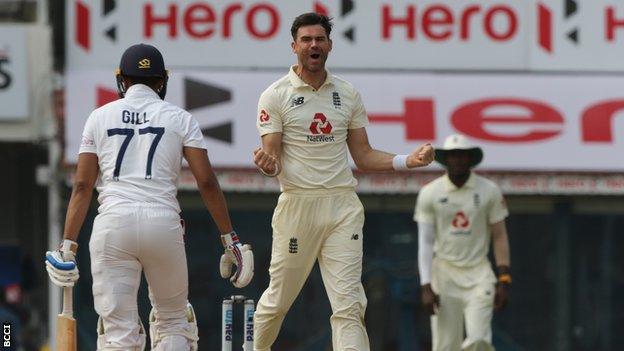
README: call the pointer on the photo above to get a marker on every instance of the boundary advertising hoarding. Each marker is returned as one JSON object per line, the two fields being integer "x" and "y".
{"x": 523, "y": 122}
{"x": 14, "y": 93}
{"x": 378, "y": 34}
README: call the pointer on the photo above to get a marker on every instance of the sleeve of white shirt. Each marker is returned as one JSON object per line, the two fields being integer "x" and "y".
{"x": 193, "y": 136}
{"x": 89, "y": 135}
{"x": 424, "y": 212}
{"x": 498, "y": 208}
{"x": 359, "y": 118}
{"x": 268, "y": 118}
{"x": 426, "y": 237}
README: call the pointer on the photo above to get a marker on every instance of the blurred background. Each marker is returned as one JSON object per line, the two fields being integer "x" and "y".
{"x": 539, "y": 84}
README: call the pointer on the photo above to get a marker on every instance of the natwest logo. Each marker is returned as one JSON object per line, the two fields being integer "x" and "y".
{"x": 460, "y": 221}
{"x": 440, "y": 22}
{"x": 320, "y": 124}
{"x": 201, "y": 20}
{"x": 264, "y": 116}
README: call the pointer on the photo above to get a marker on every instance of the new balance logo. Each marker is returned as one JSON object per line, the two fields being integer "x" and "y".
{"x": 293, "y": 247}
{"x": 296, "y": 101}
{"x": 355, "y": 237}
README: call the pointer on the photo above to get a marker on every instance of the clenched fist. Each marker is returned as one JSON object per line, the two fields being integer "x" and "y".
{"x": 266, "y": 162}
{"x": 421, "y": 157}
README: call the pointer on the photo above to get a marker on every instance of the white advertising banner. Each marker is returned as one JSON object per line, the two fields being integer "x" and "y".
{"x": 577, "y": 35}
{"x": 399, "y": 34}
{"x": 13, "y": 73}
{"x": 445, "y": 34}
{"x": 523, "y": 123}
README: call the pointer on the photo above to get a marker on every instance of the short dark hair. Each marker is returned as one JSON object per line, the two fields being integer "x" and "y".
{"x": 310, "y": 19}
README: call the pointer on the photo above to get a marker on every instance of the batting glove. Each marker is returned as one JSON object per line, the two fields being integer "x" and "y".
{"x": 61, "y": 264}
{"x": 239, "y": 255}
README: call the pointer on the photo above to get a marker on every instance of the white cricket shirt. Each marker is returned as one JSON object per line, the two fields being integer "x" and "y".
{"x": 314, "y": 126}
{"x": 461, "y": 217}
{"x": 139, "y": 141}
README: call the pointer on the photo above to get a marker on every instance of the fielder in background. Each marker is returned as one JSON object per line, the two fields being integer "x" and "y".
{"x": 134, "y": 146}
{"x": 458, "y": 214}
{"x": 307, "y": 120}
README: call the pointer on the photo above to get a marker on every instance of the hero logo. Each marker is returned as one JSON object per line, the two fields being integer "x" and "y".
{"x": 198, "y": 20}
{"x": 540, "y": 120}
{"x": 320, "y": 124}
{"x": 83, "y": 23}
{"x": 547, "y": 19}
{"x": 346, "y": 9}
{"x": 440, "y": 22}
{"x": 460, "y": 221}
{"x": 545, "y": 24}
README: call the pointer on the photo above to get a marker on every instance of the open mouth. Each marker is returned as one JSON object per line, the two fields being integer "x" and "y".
{"x": 315, "y": 56}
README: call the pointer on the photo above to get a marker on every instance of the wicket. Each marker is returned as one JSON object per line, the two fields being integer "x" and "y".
{"x": 227, "y": 328}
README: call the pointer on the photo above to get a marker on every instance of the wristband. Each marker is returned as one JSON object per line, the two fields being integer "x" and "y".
{"x": 274, "y": 174}
{"x": 399, "y": 162}
{"x": 68, "y": 245}
{"x": 228, "y": 239}
{"x": 505, "y": 278}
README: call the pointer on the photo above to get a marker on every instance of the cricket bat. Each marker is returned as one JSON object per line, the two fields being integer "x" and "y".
{"x": 66, "y": 324}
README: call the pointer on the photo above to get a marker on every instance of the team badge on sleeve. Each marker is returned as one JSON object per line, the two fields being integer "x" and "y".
{"x": 87, "y": 142}
{"x": 264, "y": 117}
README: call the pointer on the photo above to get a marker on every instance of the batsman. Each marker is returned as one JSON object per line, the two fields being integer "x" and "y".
{"x": 133, "y": 148}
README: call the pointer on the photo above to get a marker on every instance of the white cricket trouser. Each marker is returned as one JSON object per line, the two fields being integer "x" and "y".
{"x": 466, "y": 296}
{"x": 126, "y": 240}
{"x": 310, "y": 225}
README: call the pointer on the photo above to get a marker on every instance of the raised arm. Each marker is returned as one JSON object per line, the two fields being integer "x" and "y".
{"x": 370, "y": 160}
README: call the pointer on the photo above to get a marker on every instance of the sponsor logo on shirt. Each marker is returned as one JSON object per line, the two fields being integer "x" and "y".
{"x": 264, "y": 118}
{"x": 87, "y": 142}
{"x": 355, "y": 236}
{"x": 296, "y": 101}
{"x": 461, "y": 224}
{"x": 320, "y": 129}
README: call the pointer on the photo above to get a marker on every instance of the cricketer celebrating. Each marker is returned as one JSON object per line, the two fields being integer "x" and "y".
{"x": 458, "y": 214}
{"x": 307, "y": 120}
{"x": 134, "y": 148}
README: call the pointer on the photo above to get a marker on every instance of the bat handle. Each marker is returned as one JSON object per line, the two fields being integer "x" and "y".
{"x": 68, "y": 305}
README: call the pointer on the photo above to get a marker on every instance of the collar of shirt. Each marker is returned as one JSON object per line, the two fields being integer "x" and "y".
{"x": 297, "y": 82}
{"x": 470, "y": 183}
{"x": 141, "y": 91}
